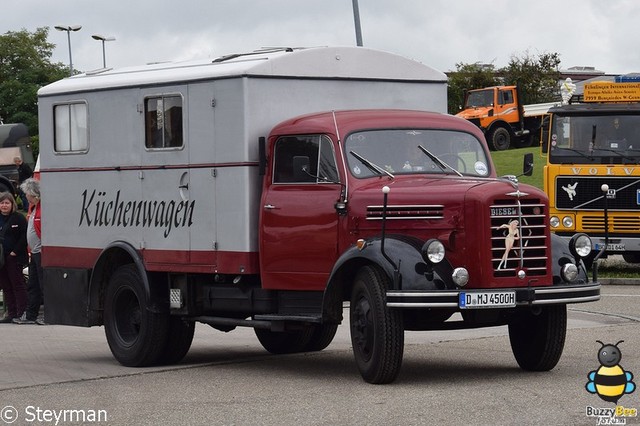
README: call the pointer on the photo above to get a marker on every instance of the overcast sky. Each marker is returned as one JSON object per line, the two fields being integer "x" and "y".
{"x": 440, "y": 33}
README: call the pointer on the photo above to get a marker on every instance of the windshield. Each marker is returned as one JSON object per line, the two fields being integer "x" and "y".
{"x": 398, "y": 152}
{"x": 480, "y": 98}
{"x": 595, "y": 139}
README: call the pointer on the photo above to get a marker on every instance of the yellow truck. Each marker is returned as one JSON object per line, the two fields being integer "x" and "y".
{"x": 593, "y": 165}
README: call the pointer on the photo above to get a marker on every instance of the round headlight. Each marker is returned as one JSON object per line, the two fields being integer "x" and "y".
{"x": 554, "y": 221}
{"x": 567, "y": 222}
{"x": 569, "y": 272}
{"x": 460, "y": 276}
{"x": 433, "y": 251}
{"x": 580, "y": 245}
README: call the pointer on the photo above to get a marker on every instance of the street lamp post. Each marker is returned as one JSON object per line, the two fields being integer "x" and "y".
{"x": 103, "y": 39}
{"x": 356, "y": 19}
{"x": 68, "y": 29}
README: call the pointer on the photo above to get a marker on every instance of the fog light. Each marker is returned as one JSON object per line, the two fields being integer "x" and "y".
{"x": 433, "y": 251}
{"x": 554, "y": 221}
{"x": 569, "y": 272}
{"x": 580, "y": 245}
{"x": 460, "y": 276}
{"x": 567, "y": 222}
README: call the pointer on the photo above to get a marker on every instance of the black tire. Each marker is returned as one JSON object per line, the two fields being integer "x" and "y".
{"x": 284, "y": 342}
{"x": 499, "y": 139}
{"x": 179, "y": 340}
{"x": 135, "y": 335}
{"x": 537, "y": 340}
{"x": 377, "y": 332}
{"x": 321, "y": 337}
{"x": 631, "y": 257}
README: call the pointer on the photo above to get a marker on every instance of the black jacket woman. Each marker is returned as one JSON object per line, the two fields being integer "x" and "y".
{"x": 13, "y": 230}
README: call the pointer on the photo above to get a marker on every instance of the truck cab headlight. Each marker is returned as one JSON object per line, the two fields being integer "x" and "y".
{"x": 580, "y": 245}
{"x": 554, "y": 221}
{"x": 433, "y": 251}
{"x": 567, "y": 222}
{"x": 569, "y": 272}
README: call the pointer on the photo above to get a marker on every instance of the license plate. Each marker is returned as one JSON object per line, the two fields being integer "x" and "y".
{"x": 487, "y": 299}
{"x": 611, "y": 247}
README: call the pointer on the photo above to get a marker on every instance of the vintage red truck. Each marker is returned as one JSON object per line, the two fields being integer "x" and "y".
{"x": 270, "y": 190}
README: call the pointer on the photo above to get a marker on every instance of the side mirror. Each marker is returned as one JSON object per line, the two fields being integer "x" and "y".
{"x": 527, "y": 166}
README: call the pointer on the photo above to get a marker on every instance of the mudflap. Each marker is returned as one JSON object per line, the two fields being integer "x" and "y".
{"x": 66, "y": 293}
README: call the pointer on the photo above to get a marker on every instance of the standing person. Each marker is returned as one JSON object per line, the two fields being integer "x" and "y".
{"x": 24, "y": 173}
{"x": 13, "y": 229}
{"x": 31, "y": 189}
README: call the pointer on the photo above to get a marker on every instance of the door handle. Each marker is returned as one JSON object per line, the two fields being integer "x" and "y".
{"x": 269, "y": 207}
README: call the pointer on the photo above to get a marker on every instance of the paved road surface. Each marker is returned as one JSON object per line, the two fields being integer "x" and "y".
{"x": 462, "y": 377}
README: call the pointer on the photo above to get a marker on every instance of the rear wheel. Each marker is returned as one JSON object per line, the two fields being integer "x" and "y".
{"x": 499, "y": 139}
{"x": 136, "y": 336}
{"x": 377, "y": 332}
{"x": 537, "y": 337}
{"x": 179, "y": 340}
{"x": 284, "y": 342}
{"x": 321, "y": 336}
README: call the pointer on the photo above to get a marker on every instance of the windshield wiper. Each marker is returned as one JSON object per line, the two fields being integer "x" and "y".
{"x": 371, "y": 166}
{"x": 626, "y": 157}
{"x": 444, "y": 166}
{"x": 590, "y": 157}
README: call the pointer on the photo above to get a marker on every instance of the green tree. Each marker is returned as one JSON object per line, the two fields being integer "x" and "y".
{"x": 536, "y": 76}
{"x": 468, "y": 77}
{"x": 25, "y": 66}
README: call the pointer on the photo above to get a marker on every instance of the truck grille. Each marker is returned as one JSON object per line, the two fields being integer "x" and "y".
{"x": 616, "y": 224}
{"x": 406, "y": 212}
{"x": 588, "y": 193}
{"x": 518, "y": 237}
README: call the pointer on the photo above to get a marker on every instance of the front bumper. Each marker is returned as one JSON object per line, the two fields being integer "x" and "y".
{"x": 529, "y": 296}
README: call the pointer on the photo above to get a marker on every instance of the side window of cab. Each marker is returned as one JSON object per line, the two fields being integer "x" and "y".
{"x": 304, "y": 159}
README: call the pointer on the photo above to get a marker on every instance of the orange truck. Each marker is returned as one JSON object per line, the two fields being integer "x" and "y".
{"x": 500, "y": 114}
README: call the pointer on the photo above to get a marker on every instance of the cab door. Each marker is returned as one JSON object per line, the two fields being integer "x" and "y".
{"x": 299, "y": 221}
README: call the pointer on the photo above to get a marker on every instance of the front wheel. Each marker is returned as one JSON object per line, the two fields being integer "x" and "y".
{"x": 499, "y": 139}
{"x": 631, "y": 257}
{"x": 136, "y": 336}
{"x": 537, "y": 337}
{"x": 377, "y": 332}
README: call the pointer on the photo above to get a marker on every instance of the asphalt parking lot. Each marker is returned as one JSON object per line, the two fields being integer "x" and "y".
{"x": 462, "y": 377}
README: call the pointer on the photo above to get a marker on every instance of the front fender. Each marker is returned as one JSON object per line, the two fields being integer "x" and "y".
{"x": 412, "y": 272}
{"x": 561, "y": 255}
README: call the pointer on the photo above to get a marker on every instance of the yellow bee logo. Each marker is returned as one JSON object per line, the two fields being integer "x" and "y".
{"x": 610, "y": 381}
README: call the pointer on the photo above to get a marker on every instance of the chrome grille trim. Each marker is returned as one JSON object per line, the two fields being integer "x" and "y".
{"x": 407, "y": 212}
{"x": 530, "y": 248}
